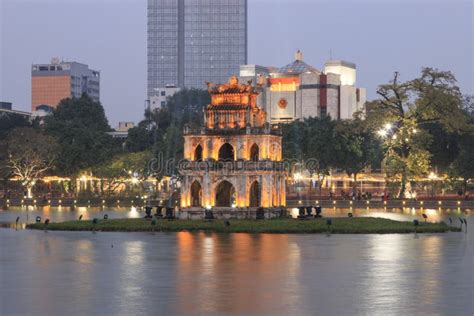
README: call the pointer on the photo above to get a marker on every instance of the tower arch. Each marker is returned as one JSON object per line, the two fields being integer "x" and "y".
{"x": 196, "y": 194}
{"x": 254, "y": 152}
{"x": 225, "y": 194}
{"x": 198, "y": 153}
{"x": 226, "y": 152}
{"x": 255, "y": 194}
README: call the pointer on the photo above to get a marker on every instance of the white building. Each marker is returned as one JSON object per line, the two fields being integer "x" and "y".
{"x": 122, "y": 130}
{"x": 158, "y": 100}
{"x": 298, "y": 90}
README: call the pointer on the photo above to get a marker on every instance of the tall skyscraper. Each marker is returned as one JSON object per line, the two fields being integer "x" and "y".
{"x": 194, "y": 41}
{"x": 50, "y": 83}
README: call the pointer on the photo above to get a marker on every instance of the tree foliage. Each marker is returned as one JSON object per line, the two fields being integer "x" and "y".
{"x": 355, "y": 148}
{"x": 322, "y": 144}
{"x": 31, "y": 154}
{"x": 161, "y": 131}
{"x": 122, "y": 168}
{"x": 80, "y": 126}
{"x": 409, "y": 109}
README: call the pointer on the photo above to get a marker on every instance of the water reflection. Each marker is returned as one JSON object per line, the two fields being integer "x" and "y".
{"x": 206, "y": 273}
{"x": 235, "y": 273}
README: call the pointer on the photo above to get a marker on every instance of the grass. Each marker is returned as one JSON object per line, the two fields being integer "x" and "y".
{"x": 358, "y": 225}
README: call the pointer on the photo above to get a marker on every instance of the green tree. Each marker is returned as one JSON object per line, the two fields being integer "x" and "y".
{"x": 320, "y": 139}
{"x": 8, "y": 122}
{"x": 123, "y": 168}
{"x": 293, "y": 140}
{"x": 80, "y": 126}
{"x": 403, "y": 111}
{"x": 463, "y": 166}
{"x": 161, "y": 130}
{"x": 31, "y": 154}
{"x": 356, "y": 148}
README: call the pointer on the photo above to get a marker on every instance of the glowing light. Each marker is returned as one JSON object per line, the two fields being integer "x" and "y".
{"x": 394, "y": 137}
{"x": 83, "y": 178}
{"x": 385, "y": 202}
{"x": 403, "y": 202}
{"x": 388, "y": 126}
{"x": 439, "y": 202}
{"x": 299, "y": 202}
{"x": 414, "y": 131}
{"x": 118, "y": 201}
{"x": 459, "y": 202}
{"x": 134, "y": 180}
{"x": 208, "y": 207}
{"x": 368, "y": 202}
{"x": 75, "y": 201}
{"x": 406, "y": 139}
{"x": 234, "y": 205}
{"x": 317, "y": 202}
{"x": 421, "y": 202}
{"x": 382, "y": 133}
{"x": 103, "y": 201}
{"x": 350, "y": 202}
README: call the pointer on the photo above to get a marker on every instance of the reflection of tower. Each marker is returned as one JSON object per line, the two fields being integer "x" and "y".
{"x": 235, "y": 159}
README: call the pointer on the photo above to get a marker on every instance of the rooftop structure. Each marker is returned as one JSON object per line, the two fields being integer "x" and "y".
{"x": 299, "y": 90}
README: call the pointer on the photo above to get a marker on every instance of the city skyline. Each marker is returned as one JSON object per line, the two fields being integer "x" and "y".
{"x": 118, "y": 48}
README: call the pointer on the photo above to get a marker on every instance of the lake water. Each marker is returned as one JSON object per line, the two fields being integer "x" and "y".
{"x": 78, "y": 273}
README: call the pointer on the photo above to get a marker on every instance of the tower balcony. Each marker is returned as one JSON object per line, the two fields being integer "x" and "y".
{"x": 266, "y": 130}
{"x": 227, "y": 167}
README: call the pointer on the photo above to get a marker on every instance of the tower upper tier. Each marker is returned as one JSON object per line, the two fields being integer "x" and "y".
{"x": 233, "y": 106}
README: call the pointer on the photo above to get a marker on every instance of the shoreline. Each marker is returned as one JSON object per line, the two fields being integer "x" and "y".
{"x": 291, "y": 203}
{"x": 356, "y": 225}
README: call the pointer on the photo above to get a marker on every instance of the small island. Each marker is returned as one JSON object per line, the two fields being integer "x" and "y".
{"x": 356, "y": 225}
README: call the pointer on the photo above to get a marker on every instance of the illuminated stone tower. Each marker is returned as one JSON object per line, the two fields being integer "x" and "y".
{"x": 234, "y": 161}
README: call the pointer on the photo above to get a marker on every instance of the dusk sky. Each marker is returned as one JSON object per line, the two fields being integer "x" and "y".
{"x": 110, "y": 35}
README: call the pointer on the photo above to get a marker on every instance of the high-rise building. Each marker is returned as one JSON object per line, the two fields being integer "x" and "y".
{"x": 50, "y": 83}
{"x": 191, "y": 42}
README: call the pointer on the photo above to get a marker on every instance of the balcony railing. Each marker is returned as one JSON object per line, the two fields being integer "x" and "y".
{"x": 232, "y": 166}
{"x": 267, "y": 130}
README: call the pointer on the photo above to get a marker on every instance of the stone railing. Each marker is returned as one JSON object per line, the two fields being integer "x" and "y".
{"x": 232, "y": 166}
{"x": 267, "y": 130}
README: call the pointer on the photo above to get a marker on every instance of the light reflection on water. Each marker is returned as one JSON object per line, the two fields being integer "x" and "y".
{"x": 206, "y": 273}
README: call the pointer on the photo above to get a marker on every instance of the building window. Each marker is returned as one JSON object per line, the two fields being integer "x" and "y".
{"x": 163, "y": 103}
{"x": 163, "y": 93}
